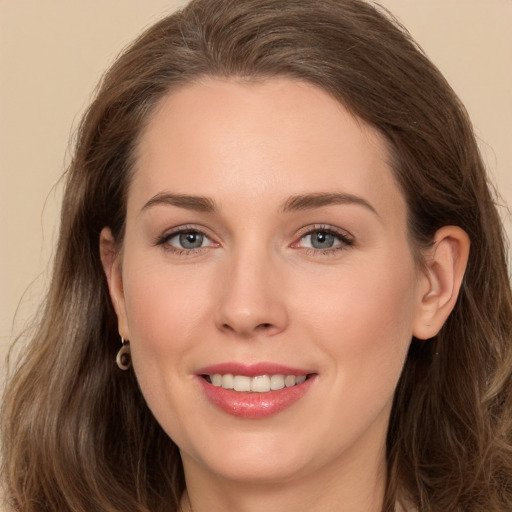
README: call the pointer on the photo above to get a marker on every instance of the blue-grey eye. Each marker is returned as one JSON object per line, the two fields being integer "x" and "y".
{"x": 323, "y": 239}
{"x": 190, "y": 239}
{"x": 186, "y": 240}
{"x": 320, "y": 240}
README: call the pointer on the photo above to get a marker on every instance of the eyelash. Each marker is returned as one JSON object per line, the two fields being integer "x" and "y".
{"x": 163, "y": 241}
{"x": 345, "y": 239}
{"x": 341, "y": 236}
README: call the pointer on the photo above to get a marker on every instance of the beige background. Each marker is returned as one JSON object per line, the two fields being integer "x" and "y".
{"x": 52, "y": 53}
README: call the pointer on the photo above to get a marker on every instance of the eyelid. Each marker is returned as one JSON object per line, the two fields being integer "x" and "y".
{"x": 346, "y": 238}
{"x": 162, "y": 239}
{"x": 342, "y": 233}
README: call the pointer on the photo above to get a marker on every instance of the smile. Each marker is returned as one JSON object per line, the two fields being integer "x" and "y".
{"x": 254, "y": 391}
{"x": 256, "y": 384}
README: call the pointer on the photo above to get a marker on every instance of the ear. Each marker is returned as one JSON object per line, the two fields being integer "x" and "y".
{"x": 441, "y": 280}
{"x": 111, "y": 261}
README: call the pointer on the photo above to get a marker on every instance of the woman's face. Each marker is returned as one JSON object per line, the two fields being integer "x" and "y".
{"x": 266, "y": 240}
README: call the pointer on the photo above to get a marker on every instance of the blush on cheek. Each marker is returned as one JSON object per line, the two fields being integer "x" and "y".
{"x": 163, "y": 320}
{"x": 150, "y": 317}
{"x": 378, "y": 319}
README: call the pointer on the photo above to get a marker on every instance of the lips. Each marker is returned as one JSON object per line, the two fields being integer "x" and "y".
{"x": 254, "y": 391}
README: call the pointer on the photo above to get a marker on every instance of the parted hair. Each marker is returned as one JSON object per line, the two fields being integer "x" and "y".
{"x": 76, "y": 432}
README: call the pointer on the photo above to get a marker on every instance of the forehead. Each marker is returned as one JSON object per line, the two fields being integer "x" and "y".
{"x": 234, "y": 139}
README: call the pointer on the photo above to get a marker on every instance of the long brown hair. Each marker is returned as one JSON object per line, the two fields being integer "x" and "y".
{"x": 77, "y": 435}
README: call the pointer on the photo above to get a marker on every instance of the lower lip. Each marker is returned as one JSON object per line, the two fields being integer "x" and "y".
{"x": 254, "y": 405}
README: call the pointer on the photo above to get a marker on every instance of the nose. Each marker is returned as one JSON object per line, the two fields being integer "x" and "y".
{"x": 252, "y": 296}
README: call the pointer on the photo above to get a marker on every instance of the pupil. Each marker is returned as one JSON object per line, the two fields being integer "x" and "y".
{"x": 191, "y": 240}
{"x": 322, "y": 240}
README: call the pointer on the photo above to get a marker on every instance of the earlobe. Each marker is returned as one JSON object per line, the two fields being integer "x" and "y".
{"x": 111, "y": 266}
{"x": 441, "y": 281}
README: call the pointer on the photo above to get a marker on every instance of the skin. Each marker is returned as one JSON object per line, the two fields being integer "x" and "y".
{"x": 257, "y": 291}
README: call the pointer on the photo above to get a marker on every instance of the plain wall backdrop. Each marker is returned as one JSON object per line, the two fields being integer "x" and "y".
{"x": 52, "y": 53}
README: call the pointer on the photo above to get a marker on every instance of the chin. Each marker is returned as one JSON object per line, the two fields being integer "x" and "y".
{"x": 263, "y": 458}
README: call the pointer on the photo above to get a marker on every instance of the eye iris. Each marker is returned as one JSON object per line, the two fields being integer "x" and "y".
{"x": 322, "y": 240}
{"x": 191, "y": 240}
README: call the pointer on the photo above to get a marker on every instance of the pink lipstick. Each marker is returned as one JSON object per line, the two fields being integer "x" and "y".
{"x": 254, "y": 391}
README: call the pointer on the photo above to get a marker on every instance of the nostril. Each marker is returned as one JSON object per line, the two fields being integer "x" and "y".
{"x": 265, "y": 327}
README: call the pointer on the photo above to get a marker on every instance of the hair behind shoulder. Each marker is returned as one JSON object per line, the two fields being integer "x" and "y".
{"x": 77, "y": 434}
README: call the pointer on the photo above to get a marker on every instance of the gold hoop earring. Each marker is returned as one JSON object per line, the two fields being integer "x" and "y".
{"x": 123, "y": 358}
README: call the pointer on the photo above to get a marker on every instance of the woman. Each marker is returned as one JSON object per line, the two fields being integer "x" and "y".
{"x": 280, "y": 281}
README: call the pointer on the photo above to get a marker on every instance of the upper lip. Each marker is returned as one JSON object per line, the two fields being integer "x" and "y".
{"x": 252, "y": 370}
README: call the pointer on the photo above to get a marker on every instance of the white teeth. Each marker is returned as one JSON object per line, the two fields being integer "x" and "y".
{"x": 227, "y": 381}
{"x": 300, "y": 379}
{"x": 258, "y": 384}
{"x": 241, "y": 383}
{"x": 289, "y": 381}
{"x": 276, "y": 382}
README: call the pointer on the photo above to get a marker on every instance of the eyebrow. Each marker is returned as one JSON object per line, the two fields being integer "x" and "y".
{"x": 294, "y": 203}
{"x": 188, "y": 202}
{"x": 320, "y": 199}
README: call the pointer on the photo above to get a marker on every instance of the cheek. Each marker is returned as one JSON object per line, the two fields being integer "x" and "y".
{"x": 164, "y": 310}
{"x": 164, "y": 306}
{"x": 363, "y": 324}
{"x": 365, "y": 317}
